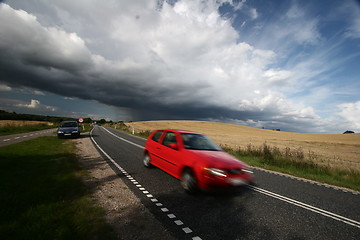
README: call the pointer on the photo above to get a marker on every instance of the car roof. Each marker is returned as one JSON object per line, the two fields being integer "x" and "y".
{"x": 179, "y": 131}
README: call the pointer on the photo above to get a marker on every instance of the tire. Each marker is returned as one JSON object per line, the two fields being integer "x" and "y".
{"x": 188, "y": 181}
{"x": 147, "y": 160}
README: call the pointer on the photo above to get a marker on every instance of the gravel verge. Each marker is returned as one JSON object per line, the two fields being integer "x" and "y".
{"x": 129, "y": 218}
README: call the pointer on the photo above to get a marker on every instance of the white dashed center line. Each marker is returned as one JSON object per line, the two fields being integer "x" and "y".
{"x": 187, "y": 230}
{"x": 163, "y": 209}
{"x": 179, "y": 222}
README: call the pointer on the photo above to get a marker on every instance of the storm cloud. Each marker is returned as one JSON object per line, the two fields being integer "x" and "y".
{"x": 158, "y": 60}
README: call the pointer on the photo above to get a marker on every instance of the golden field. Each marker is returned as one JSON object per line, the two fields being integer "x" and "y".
{"x": 20, "y": 123}
{"x": 340, "y": 151}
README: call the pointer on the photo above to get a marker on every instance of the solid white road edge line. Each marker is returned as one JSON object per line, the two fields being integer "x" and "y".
{"x": 165, "y": 210}
{"x": 280, "y": 197}
{"x": 308, "y": 207}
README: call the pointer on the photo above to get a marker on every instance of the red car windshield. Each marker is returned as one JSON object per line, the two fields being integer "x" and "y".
{"x": 198, "y": 142}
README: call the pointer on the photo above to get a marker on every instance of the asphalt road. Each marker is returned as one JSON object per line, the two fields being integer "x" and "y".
{"x": 277, "y": 207}
{"x": 15, "y": 138}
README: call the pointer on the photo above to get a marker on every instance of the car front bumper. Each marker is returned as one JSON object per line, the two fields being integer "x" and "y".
{"x": 210, "y": 182}
{"x": 68, "y": 134}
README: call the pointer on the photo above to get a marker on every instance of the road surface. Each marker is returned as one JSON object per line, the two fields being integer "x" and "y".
{"x": 277, "y": 207}
{"x": 15, "y": 138}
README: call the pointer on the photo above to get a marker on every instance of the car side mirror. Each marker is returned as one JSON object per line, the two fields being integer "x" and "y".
{"x": 173, "y": 146}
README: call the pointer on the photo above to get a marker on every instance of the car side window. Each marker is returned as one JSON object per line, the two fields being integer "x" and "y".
{"x": 170, "y": 137}
{"x": 157, "y": 136}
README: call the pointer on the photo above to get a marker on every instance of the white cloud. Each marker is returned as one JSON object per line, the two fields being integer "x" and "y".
{"x": 254, "y": 13}
{"x": 288, "y": 30}
{"x": 38, "y": 45}
{"x": 351, "y": 112}
{"x": 35, "y": 104}
{"x": 37, "y": 92}
{"x": 277, "y": 76}
{"x": 30, "y": 91}
{"x": 5, "y": 88}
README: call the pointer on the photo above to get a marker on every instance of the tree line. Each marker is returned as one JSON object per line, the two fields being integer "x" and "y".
{"x": 4, "y": 115}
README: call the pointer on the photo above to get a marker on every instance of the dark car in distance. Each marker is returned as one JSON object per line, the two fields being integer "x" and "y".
{"x": 68, "y": 129}
{"x": 194, "y": 159}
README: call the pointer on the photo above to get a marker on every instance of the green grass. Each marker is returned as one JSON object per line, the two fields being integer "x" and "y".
{"x": 7, "y": 130}
{"x": 86, "y": 127}
{"x": 295, "y": 162}
{"x": 42, "y": 195}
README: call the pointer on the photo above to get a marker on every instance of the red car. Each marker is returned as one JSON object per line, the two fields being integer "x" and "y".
{"x": 194, "y": 159}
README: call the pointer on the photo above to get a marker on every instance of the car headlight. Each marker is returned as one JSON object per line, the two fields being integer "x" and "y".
{"x": 74, "y": 131}
{"x": 60, "y": 132}
{"x": 215, "y": 172}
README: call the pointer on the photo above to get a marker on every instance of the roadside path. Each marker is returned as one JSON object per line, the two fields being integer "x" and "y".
{"x": 126, "y": 214}
{"x": 15, "y": 138}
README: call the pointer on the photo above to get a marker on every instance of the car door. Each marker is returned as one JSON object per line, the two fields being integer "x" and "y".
{"x": 154, "y": 148}
{"x": 170, "y": 156}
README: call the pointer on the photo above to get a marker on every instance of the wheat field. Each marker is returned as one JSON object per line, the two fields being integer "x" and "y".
{"x": 339, "y": 151}
{"x": 20, "y": 123}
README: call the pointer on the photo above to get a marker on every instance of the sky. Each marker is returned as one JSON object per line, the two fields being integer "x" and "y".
{"x": 275, "y": 64}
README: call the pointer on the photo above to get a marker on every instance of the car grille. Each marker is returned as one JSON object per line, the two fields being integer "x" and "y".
{"x": 234, "y": 171}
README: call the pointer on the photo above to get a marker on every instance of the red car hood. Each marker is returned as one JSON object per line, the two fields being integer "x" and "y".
{"x": 218, "y": 159}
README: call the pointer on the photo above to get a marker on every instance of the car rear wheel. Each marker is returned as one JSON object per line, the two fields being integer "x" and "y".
{"x": 188, "y": 181}
{"x": 147, "y": 161}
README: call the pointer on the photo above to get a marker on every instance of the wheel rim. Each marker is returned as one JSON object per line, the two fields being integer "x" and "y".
{"x": 146, "y": 160}
{"x": 188, "y": 181}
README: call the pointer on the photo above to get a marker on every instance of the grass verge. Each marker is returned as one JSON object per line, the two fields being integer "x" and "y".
{"x": 296, "y": 163}
{"x": 124, "y": 128}
{"x": 86, "y": 127}
{"x": 42, "y": 195}
{"x": 7, "y": 130}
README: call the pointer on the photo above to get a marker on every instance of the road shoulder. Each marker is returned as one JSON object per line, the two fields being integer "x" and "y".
{"x": 123, "y": 210}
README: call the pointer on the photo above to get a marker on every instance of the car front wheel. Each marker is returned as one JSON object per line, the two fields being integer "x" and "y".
{"x": 188, "y": 181}
{"x": 147, "y": 160}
